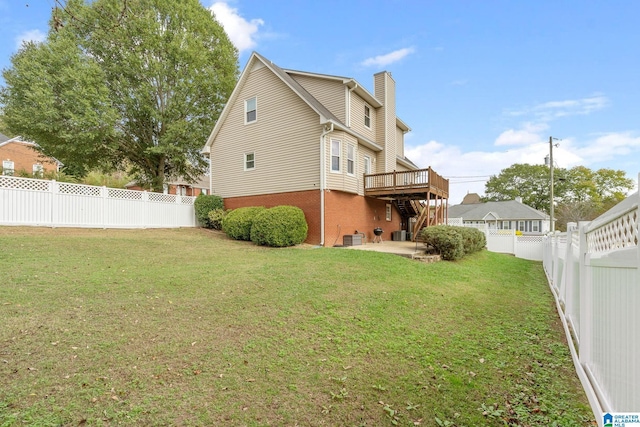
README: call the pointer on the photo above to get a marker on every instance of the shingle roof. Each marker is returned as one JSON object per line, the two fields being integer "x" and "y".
{"x": 3, "y": 137}
{"x": 504, "y": 210}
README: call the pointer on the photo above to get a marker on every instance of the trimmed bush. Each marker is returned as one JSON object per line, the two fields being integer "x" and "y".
{"x": 446, "y": 241}
{"x": 453, "y": 242}
{"x": 205, "y": 204}
{"x": 279, "y": 226}
{"x": 216, "y": 217}
{"x": 237, "y": 223}
{"x": 473, "y": 240}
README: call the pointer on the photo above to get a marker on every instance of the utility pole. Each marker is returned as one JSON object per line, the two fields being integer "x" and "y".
{"x": 551, "y": 207}
{"x": 552, "y": 226}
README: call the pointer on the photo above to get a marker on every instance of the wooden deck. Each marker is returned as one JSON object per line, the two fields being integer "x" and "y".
{"x": 422, "y": 184}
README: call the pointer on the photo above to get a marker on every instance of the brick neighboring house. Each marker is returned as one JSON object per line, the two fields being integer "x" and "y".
{"x": 325, "y": 144}
{"x": 21, "y": 157}
{"x": 179, "y": 186}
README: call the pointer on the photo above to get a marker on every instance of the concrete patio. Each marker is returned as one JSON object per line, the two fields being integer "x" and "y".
{"x": 406, "y": 249}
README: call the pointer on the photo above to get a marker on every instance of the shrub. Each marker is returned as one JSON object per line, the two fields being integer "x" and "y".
{"x": 279, "y": 226}
{"x": 454, "y": 242}
{"x": 216, "y": 217}
{"x": 473, "y": 240}
{"x": 237, "y": 223}
{"x": 205, "y": 204}
{"x": 447, "y": 241}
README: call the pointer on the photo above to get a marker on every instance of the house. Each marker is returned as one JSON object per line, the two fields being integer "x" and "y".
{"x": 326, "y": 144}
{"x": 179, "y": 186}
{"x": 22, "y": 158}
{"x": 506, "y": 215}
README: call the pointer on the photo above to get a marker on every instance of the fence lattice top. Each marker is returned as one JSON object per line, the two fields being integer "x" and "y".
{"x": 617, "y": 234}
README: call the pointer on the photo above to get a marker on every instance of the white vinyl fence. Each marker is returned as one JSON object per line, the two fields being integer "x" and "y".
{"x": 507, "y": 241}
{"x": 594, "y": 272}
{"x": 26, "y": 201}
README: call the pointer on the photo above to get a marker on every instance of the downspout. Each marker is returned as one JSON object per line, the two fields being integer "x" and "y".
{"x": 323, "y": 176}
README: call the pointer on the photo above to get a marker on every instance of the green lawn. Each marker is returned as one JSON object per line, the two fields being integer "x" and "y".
{"x": 185, "y": 327}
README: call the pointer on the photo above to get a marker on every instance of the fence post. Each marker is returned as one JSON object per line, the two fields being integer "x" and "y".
{"x": 53, "y": 196}
{"x": 586, "y": 327}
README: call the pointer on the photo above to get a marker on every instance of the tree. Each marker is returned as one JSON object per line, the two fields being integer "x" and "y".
{"x": 580, "y": 193}
{"x": 129, "y": 84}
{"x": 530, "y": 182}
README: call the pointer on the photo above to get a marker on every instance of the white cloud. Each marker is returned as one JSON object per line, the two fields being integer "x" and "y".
{"x": 552, "y": 110}
{"x": 242, "y": 33}
{"x": 609, "y": 146}
{"x": 30, "y": 36}
{"x": 530, "y": 134}
{"x": 389, "y": 58}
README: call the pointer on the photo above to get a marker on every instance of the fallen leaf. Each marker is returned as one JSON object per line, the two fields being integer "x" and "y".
{"x": 193, "y": 343}
{"x": 115, "y": 398}
{"x": 481, "y": 360}
{"x": 250, "y": 380}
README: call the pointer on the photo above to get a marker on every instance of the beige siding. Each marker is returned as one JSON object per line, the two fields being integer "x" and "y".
{"x": 362, "y": 152}
{"x": 357, "y": 117}
{"x": 399, "y": 142}
{"x": 341, "y": 180}
{"x": 285, "y": 139}
{"x": 401, "y": 168}
{"x": 330, "y": 93}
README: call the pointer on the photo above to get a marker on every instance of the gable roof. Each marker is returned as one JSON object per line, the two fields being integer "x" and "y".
{"x": 326, "y": 116}
{"x": 503, "y": 210}
{"x": 5, "y": 140}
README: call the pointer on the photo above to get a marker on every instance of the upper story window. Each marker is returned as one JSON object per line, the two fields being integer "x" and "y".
{"x": 7, "y": 167}
{"x": 250, "y": 110}
{"x": 351, "y": 159}
{"x": 367, "y": 165}
{"x": 367, "y": 116}
{"x": 336, "y": 148}
{"x": 249, "y": 161}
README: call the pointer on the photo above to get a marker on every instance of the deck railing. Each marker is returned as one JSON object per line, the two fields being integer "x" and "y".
{"x": 397, "y": 182}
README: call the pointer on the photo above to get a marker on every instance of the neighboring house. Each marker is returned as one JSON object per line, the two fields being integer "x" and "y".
{"x": 325, "y": 144}
{"x": 22, "y": 158}
{"x": 179, "y": 186}
{"x": 508, "y": 215}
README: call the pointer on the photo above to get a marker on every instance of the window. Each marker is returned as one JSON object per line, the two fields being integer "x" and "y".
{"x": 249, "y": 161}
{"x": 38, "y": 170}
{"x": 535, "y": 226}
{"x": 336, "y": 147}
{"x": 367, "y": 116}
{"x": 521, "y": 226}
{"x": 506, "y": 225}
{"x": 250, "y": 110}
{"x": 351, "y": 159}
{"x": 367, "y": 164}
{"x": 388, "y": 212}
{"x": 7, "y": 167}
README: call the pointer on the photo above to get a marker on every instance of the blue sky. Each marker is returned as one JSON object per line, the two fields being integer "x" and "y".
{"x": 482, "y": 84}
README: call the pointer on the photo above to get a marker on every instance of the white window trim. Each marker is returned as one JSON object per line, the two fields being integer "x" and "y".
{"x": 365, "y": 115}
{"x": 388, "y": 212}
{"x": 367, "y": 165}
{"x": 339, "y": 170}
{"x": 246, "y": 101}
{"x": 352, "y": 160}
{"x": 8, "y": 167}
{"x": 246, "y": 168}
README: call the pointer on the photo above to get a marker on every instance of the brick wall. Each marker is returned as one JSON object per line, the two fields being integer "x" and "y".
{"x": 308, "y": 201}
{"x": 345, "y": 213}
{"x": 24, "y": 156}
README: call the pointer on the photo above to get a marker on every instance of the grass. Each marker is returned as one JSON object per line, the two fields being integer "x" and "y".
{"x": 185, "y": 327}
